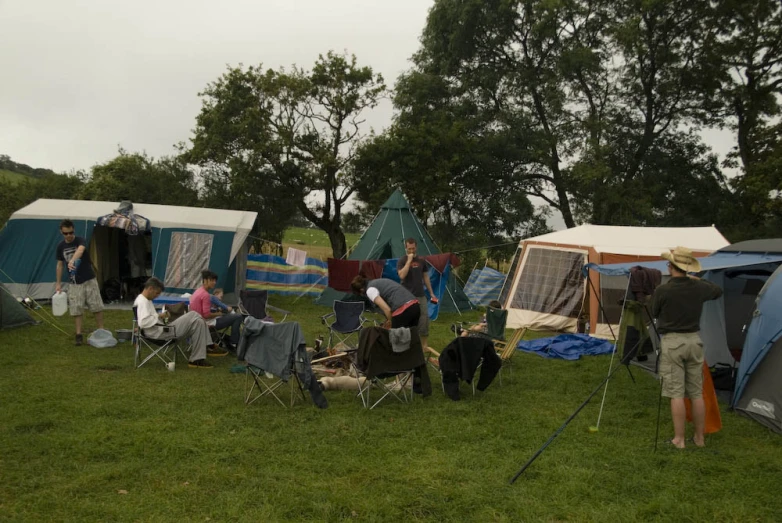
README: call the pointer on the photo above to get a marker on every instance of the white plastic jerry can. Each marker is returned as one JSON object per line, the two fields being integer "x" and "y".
{"x": 59, "y": 303}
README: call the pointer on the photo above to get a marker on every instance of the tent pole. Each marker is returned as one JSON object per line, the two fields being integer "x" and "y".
{"x": 611, "y": 362}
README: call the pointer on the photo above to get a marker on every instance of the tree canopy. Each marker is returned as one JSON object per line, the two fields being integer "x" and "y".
{"x": 289, "y": 132}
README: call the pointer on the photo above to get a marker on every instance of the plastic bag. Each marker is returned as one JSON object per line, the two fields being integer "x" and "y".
{"x": 102, "y": 339}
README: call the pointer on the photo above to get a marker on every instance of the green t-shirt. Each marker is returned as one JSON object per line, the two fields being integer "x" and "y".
{"x": 677, "y": 304}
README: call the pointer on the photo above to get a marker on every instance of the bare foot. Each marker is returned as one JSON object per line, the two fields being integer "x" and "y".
{"x": 699, "y": 442}
{"x": 679, "y": 444}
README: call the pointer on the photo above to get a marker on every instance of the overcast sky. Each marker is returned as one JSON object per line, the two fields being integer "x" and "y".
{"x": 79, "y": 78}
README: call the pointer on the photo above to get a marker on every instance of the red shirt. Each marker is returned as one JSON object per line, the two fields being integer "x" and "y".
{"x": 200, "y": 302}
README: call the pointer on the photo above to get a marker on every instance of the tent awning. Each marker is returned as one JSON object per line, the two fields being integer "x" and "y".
{"x": 720, "y": 260}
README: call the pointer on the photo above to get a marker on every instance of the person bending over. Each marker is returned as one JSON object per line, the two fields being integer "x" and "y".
{"x": 399, "y": 306}
{"x": 190, "y": 325}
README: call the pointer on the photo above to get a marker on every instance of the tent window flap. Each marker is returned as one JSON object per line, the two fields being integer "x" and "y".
{"x": 188, "y": 255}
{"x": 550, "y": 282}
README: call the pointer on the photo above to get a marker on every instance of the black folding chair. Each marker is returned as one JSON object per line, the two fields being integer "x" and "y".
{"x": 255, "y": 303}
{"x": 348, "y": 321}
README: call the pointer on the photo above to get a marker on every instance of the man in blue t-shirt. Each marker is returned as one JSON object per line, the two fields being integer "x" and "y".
{"x": 83, "y": 290}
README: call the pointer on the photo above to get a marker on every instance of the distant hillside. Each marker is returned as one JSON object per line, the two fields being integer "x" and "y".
{"x": 13, "y": 177}
{"x": 16, "y": 172}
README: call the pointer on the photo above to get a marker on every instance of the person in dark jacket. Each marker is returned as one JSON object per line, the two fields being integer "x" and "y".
{"x": 677, "y": 307}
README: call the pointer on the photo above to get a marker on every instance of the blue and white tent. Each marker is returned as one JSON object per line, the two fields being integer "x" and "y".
{"x": 743, "y": 328}
{"x": 181, "y": 242}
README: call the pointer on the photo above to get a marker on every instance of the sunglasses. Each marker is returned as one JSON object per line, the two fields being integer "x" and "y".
{"x": 67, "y": 233}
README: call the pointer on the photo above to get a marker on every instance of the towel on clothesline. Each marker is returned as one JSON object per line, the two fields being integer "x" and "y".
{"x": 341, "y": 273}
{"x": 372, "y": 269}
{"x": 296, "y": 257}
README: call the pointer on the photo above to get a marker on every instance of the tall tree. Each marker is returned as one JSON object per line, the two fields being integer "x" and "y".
{"x": 297, "y": 130}
{"x": 750, "y": 47}
{"x": 456, "y": 169}
{"x": 582, "y": 91}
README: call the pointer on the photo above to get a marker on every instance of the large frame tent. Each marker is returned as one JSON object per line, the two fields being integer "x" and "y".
{"x": 384, "y": 239}
{"x": 548, "y": 291}
{"x": 179, "y": 243}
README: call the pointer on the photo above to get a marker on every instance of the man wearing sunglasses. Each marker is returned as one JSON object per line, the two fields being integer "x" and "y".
{"x": 83, "y": 290}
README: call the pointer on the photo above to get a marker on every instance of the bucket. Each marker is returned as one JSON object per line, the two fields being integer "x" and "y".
{"x": 59, "y": 303}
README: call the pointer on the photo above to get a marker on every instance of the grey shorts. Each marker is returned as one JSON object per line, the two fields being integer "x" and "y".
{"x": 84, "y": 296}
{"x": 423, "y": 320}
{"x": 681, "y": 365}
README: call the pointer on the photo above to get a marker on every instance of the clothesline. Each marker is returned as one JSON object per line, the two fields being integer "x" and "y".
{"x": 486, "y": 247}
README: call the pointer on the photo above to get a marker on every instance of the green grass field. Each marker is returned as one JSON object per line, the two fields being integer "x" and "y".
{"x": 12, "y": 177}
{"x": 86, "y": 437}
{"x": 314, "y": 241}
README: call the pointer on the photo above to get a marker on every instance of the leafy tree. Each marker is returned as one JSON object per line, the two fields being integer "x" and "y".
{"x": 237, "y": 187}
{"x": 458, "y": 172}
{"x": 295, "y": 130}
{"x": 573, "y": 96}
{"x": 139, "y": 178}
{"x": 750, "y": 47}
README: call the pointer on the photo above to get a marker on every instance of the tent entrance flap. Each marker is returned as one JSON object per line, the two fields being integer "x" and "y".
{"x": 119, "y": 256}
{"x": 189, "y": 253}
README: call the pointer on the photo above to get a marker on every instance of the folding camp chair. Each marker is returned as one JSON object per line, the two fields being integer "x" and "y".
{"x": 386, "y": 371}
{"x": 275, "y": 354}
{"x": 506, "y": 349}
{"x": 495, "y": 325}
{"x": 259, "y": 384}
{"x": 348, "y": 321}
{"x": 255, "y": 303}
{"x": 147, "y": 348}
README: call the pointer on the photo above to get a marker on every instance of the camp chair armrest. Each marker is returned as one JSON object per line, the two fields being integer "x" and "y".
{"x": 326, "y": 316}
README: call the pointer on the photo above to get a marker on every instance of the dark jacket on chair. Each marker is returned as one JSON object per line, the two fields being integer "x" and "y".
{"x": 375, "y": 357}
{"x": 461, "y": 358}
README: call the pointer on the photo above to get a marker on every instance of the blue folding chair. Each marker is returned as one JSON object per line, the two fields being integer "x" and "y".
{"x": 348, "y": 321}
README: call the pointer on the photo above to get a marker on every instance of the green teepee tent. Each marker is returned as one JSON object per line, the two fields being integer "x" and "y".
{"x": 12, "y": 313}
{"x": 385, "y": 239}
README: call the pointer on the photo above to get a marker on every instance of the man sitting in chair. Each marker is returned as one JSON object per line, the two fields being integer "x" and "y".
{"x": 190, "y": 325}
{"x": 201, "y": 302}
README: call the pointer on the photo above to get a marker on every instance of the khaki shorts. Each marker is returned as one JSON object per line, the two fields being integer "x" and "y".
{"x": 681, "y": 365}
{"x": 84, "y": 296}
{"x": 423, "y": 320}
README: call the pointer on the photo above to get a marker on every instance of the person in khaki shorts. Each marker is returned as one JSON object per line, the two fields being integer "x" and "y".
{"x": 83, "y": 290}
{"x": 677, "y": 306}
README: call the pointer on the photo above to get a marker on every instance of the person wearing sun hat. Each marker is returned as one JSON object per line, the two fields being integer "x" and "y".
{"x": 677, "y": 306}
